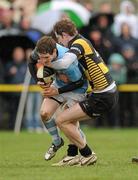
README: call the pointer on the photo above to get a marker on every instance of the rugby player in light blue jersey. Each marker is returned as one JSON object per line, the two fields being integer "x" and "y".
{"x": 71, "y": 86}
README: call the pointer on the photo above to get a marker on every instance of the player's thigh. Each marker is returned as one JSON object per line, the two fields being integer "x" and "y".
{"x": 72, "y": 114}
{"x": 72, "y": 98}
{"x": 49, "y": 106}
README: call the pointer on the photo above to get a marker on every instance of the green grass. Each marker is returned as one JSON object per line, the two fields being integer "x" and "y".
{"x": 21, "y": 156}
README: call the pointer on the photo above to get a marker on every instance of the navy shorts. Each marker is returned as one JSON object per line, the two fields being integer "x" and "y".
{"x": 97, "y": 104}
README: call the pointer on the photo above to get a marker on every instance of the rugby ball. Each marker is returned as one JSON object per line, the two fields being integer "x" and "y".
{"x": 45, "y": 74}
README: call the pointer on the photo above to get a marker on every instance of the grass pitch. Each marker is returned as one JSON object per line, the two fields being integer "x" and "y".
{"x": 21, "y": 156}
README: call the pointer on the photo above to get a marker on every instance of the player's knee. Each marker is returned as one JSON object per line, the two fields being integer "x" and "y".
{"x": 44, "y": 115}
{"x": 59, "y": 121}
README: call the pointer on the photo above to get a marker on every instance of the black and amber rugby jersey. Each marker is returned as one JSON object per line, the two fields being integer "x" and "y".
{"x": 95, "y": 69}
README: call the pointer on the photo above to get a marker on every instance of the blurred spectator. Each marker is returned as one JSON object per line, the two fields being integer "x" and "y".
{"x": 99, "y": 32}
{"x": 7, "y": 23}
{"x": 89, "y": 6}
{"x": 131, "y": 115}
{"x": 125, "y": 38}
{"x": 32, "y": 115}
{"x": 118, "y": 71}
{"x": 105, "y": 7}
{"x": 104, "y": 22}
{"x": 27, "y": 8}
{"x": 126, "y": 15}
{"x": 15, "y": 73}
{"x": 117, "y": 66}
{"x": 129, "y": 53}
{"x": 25, "y": 27}
{"x": 3, "y": 5}
{"x": 102, "y": 45}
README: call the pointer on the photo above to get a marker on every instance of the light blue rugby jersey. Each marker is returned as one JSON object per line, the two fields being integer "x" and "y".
{"x": 73, "y": 72}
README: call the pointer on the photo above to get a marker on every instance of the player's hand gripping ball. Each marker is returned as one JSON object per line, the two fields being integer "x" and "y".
{"x": 45, "y": 74}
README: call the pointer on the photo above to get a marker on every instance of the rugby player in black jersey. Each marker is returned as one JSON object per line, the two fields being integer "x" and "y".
{"x": 102, "y": 98}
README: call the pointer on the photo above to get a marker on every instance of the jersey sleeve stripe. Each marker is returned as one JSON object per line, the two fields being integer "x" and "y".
{"x": 85, "y": 45}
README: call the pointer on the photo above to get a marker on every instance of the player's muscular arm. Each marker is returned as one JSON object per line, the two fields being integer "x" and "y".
{"x": 52, "y": 91}
{"x": 32, "y": 64}
{"x": 64, "y": 62}
{"x": 71, "y": 86}
{"x": 74, "y": 52}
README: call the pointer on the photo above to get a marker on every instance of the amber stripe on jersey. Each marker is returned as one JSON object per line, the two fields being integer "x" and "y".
{"x": 96, "y": 73}
{"x": 95, "y": 69}
{"x": 87, "y": 49}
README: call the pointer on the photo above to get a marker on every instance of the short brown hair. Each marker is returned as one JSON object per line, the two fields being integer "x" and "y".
{"x": 46, "y": 45}
{"x": 65, "y": 25}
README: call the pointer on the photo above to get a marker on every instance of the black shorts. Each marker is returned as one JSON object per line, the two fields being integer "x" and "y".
{"x": 97, "y": 104}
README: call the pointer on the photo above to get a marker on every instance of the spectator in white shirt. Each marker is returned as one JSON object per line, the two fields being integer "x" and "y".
{"x": 126, "y": 15}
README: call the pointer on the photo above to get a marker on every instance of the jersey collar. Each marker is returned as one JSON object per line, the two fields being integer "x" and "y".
{"x": 72, "y": 40}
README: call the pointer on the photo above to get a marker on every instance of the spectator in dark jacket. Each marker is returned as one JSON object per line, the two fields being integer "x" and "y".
{"x": 15, "y": 74}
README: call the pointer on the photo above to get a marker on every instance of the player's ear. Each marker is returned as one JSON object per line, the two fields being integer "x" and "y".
{"x": 55, "y": 51}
